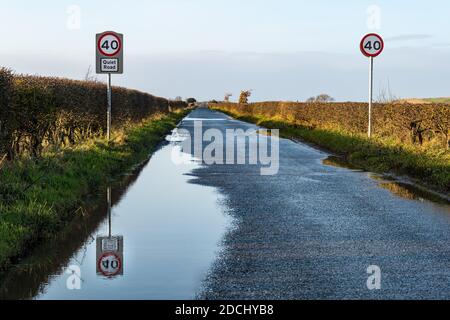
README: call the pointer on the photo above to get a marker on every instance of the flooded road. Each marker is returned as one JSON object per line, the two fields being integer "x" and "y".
{"x": 311, "y": 231}
{"x": 320, "y": 231}
{"x": 171, "y": 232}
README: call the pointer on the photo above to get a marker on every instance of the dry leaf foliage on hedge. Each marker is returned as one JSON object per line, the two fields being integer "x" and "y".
{"x": 41, "y": 111}
{"x": 407, "y": 123}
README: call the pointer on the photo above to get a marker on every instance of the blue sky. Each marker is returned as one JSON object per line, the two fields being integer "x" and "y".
{"x": 284, "y": 49}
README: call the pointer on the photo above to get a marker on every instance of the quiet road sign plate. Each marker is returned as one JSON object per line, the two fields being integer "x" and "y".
{"x": 109, "y": 48}
{"x": 109, "y": 256}
{"x": 109, "y": 65}
{"x": 372, "y": 45}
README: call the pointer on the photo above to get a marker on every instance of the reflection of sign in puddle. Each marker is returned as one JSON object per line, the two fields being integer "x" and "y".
{"x": 109, "y": 262}
{"x": 109, "y": 256}
{"x": 110, "y": 244}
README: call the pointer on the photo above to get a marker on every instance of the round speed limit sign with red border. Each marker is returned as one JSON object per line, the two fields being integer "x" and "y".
{"x": 372, "y": 45}
{"x": 109, "y": 44}
{"x": 109, "y": 264}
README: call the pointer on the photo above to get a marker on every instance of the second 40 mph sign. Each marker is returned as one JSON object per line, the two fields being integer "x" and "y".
{"x": 109, "y": 57}
{"x": 372, "y": 45}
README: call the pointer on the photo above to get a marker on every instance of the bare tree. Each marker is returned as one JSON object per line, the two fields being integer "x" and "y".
{"x": 89, "y": 76}
{"x": 321, "y": 98}
{"x": 385, "y": 95}
{"x": 245, "y": 94}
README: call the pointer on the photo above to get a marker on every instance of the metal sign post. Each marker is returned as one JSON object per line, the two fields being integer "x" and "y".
{"x": 370, "y": 96}
{"x": 108, "y": 199}
{"x": 109, "y": 60}
{"x": 371, "y": 46}
{"x": 108, "y": 112}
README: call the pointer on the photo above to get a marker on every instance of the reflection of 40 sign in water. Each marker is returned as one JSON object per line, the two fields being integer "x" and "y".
{"x": 109, "y": 264}
{"x": 109, "y": 253}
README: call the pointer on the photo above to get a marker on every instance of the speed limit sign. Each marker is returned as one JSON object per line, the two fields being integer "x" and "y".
{"x": 110, "y": 264}
{"x": 109, "y": 60}
{"x": 109, "y": 44}
{"x": 109, "y": 57}
{"x": 372, "y": 45}
{"x": 109, "y": 251}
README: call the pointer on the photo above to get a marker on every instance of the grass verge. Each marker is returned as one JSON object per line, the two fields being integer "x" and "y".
{"x": 38, "y": 197}
{"x": 430, "y": 168}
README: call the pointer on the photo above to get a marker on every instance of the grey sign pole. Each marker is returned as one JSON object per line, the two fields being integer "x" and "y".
{"x": 108, "y": 196}
{"x": 372, "y": 45}
{"x": 109, "y": 60}
{"x": 109, "y": 93}
{"x": 370, "y": 96}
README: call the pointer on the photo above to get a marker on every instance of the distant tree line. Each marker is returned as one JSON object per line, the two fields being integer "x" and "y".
{"x": 321, "y": 98}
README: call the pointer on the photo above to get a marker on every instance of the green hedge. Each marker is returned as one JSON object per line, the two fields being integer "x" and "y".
{"x": 42, "y": 111}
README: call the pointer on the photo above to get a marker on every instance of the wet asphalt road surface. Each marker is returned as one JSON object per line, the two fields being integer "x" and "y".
{"x": 312, "y": 231}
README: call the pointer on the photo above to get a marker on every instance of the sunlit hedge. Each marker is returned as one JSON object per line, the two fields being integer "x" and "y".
{"x": 412, "y": 124}
{"x": 41, "y": 111}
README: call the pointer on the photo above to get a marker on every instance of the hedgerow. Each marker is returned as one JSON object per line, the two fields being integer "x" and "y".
{"x": 406, "y": 123}
{"x": 38, "y": 112}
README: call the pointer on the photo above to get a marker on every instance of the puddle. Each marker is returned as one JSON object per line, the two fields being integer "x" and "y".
{"x": 170, "y": 231}
{"x": 411, "y": 192}
{"x": 206, "y": 119}
{"x": 400, "y": 189}
{"x": 339, "y": 162}
{"x": 382, "y": 177}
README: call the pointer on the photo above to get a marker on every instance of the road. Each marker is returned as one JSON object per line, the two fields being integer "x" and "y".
{"x": 312, "y": 230}
{"x": 227, "y": 232}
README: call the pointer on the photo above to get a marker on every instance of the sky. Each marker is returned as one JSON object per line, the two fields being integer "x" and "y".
{"x": 281, "y": 49}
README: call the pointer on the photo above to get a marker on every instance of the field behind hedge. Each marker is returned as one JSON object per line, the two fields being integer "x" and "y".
{"x": 38, "y": 112}
{"x": 426, "y": 125}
